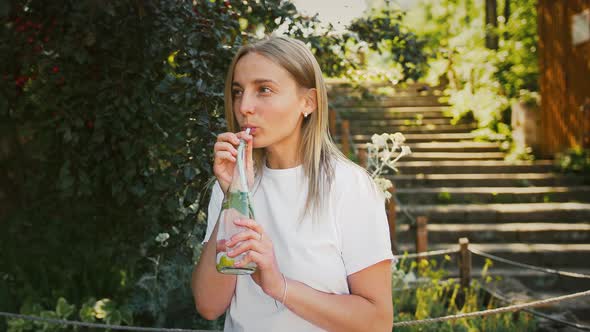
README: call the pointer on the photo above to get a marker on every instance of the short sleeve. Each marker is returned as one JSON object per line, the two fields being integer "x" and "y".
{"x": 362, "y": 220}
{"x": 213, "y": 210}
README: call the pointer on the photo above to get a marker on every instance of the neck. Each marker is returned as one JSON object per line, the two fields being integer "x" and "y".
{"x": 284, "y": 154}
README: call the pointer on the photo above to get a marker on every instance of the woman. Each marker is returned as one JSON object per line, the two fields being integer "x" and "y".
{"x": 320, "y": 238}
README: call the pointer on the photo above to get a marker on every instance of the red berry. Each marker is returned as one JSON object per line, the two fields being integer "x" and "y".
{"x": 37, "y": 49}
{"x": 30, "y": 40}
{"x": 21, "y": 80}
{"x": 46, "y": 39}
{"x": 89, "y": 124}
{"x": 56, "y": 69}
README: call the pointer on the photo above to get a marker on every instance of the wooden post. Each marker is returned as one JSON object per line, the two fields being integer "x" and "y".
{"x": 421, "y": 234}
{"x": 464, "y": 263}
{"x": 362, "y": 155}
{"x": 332, "y": 121}
{"x": 344, "y": 136}
{"x": 391, "y": 220}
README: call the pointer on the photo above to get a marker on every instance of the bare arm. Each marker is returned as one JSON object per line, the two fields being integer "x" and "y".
{"x": 369, "y": 307}
{"x": 212, "y": 290}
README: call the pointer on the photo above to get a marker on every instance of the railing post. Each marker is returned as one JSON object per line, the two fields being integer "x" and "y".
{"x": 344, "y": 136}
{"x": 464, "y": 263}
{"x": 391, "y": 220}
{"x": 362, "y": 155}
{"x": 421, "y": 234}
{"x": 332, "y": 121}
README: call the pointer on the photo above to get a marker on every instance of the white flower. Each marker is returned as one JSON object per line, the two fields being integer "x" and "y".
{"x": 385, "y": 155}
{"x": 405, "y": 151}
{"x": 161, "y": 238}
{"x": 379, "y": 140}
{"x": 397, "y": 138}
{"x": 383, "y": 184}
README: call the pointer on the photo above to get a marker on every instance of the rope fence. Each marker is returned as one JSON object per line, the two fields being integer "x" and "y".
{"x": 528, "y": 266}
{"x": 428, "y": 254}
{"x": 95, "y": 325}
{"x": 538, "y": 313}
{"x": 465, "y": 271}
{"x": 509, "y": 308}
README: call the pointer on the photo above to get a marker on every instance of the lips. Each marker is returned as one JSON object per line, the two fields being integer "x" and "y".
{"x": 252, "y": 129}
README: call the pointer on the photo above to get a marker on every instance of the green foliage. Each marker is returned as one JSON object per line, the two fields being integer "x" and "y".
{"x": 574, "y": 160}
{"x": 423, "y": 290}
{"x": 109, "y": 112}
{"x": 103, "y": 311}
{"x": 384, "y": 32}
{"x": 479, "y": 80}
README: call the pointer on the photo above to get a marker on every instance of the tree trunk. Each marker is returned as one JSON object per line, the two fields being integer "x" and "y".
{"x": 506, "y": 18}
{"x": 491, "y": 24}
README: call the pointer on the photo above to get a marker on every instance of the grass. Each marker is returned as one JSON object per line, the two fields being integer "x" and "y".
{"x": 423, "y": 290}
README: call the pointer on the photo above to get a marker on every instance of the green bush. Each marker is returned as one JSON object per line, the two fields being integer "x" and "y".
{"x": 109, "y": 112}
{"x": 423, "y": 290}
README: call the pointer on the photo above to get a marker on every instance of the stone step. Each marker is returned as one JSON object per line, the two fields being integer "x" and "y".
{"x": 491, "y": 195}
{"x": 540, "y": 232}
{"x": 434, "y": 156}
{"x": 487, "y": 180}
{"x": 432, "y": 129}
{"x": 500, "y": 213}
{"x": 400, "y": 101}
{"x": 400, "y": 122}
{"x": 473, "y": 166}
{"x": 376, "y": 88}
{"x": 380, "y": 113}
{"x": 549, "y": 255}
{"x": 450, "y": 147}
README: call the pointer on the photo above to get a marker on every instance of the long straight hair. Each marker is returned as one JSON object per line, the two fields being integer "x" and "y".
{"x": 317, "y": 150}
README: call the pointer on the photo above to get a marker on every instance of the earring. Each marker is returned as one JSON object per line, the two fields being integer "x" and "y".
{"x": 305, "y": 114}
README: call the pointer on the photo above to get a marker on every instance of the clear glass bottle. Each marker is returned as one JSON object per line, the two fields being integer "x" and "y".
{"x": 237, "y": 204}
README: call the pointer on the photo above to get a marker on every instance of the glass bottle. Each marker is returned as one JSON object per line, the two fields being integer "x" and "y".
{"x": 237, "y": 204}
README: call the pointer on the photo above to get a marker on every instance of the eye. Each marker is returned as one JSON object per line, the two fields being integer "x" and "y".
{"x": 265, "y": 89}
{"x": 236, "y": 93}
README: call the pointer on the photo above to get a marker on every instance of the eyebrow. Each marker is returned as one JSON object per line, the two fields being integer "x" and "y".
{"x": 257, "y": 81}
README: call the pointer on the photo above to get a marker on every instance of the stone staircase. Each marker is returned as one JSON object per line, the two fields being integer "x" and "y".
{"x": 524, "y": 211}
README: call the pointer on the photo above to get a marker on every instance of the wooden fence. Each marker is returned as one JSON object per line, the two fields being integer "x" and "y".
{"x": 564, "y": 70}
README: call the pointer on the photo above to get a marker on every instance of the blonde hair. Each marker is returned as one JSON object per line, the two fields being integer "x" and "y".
{"x": 317, "y": 149}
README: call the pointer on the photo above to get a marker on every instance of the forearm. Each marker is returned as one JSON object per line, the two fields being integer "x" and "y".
{"x": 212, "y": 290}
{"x": 337, "y": 312}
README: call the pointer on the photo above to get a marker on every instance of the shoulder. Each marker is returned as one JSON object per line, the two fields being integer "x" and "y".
{"x": 352, "y": 180}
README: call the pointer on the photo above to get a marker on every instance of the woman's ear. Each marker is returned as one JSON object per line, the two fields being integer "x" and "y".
{"x": 311, "y": 101}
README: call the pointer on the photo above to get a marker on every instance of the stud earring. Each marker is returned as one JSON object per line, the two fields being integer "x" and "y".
{"x": 305, "y": 114}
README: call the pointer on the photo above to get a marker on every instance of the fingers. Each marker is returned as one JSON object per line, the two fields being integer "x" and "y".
{"x": 244, "y": 246}
{"x": 228, "y": 137}
{"x": 225, "y": 151}
{"x": 251, "y": 224}
{"x": 224, "y": 155}
{"x": 251, "y": 256}
{"x": 243, "y": 236}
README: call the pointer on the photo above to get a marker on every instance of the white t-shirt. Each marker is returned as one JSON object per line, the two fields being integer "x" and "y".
{"x": 352, "y": 235}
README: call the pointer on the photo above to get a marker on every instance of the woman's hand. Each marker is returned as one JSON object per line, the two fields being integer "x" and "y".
{"x": 259, "y": 249}
{"x": 225, "y": 154}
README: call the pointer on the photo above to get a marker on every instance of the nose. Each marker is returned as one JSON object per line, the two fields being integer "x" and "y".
{"x": 247, "y": 103}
